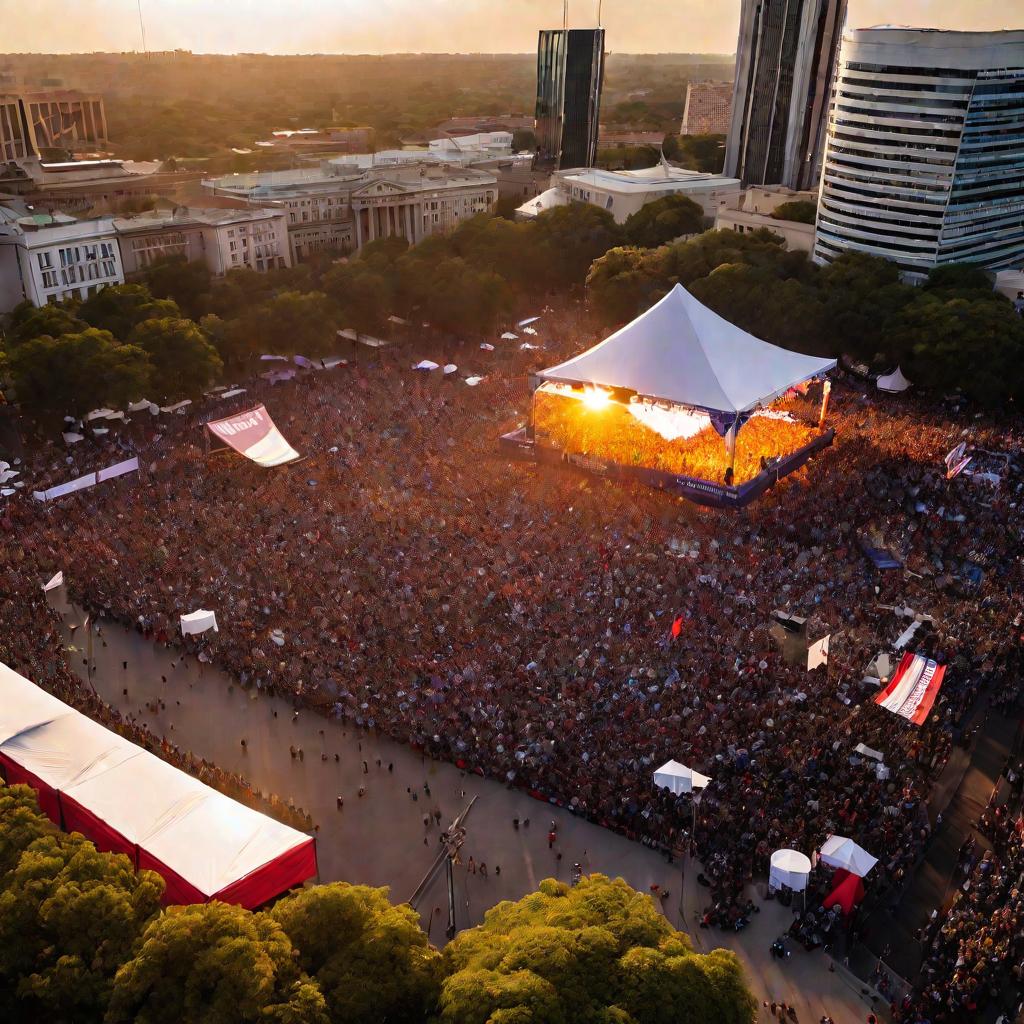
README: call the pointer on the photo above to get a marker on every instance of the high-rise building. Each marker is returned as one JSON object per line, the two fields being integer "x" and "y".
{"x": 924, "y": 162}
{"x": 785, "y": 58}
{"x": 570, "y": 74}
{"x": 32, "y": 122}
{"x": 708, "y": 108}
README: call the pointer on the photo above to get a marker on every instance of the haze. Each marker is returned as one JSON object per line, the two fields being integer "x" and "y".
{"x": 423, "y": 26}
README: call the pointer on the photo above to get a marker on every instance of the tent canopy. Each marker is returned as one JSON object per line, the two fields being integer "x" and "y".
{"x": 90, "y": 779}
{"x": 840, "y": 852}
{"x": 895, "y": 383}
{"x": 199, "y": 621}
{"x": 790, "y": 868}
{"x": 677, "y": 778}
{"x": 680, "y": 351}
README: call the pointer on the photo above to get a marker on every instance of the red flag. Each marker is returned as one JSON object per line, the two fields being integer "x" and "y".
{"x": 677, "y": 627}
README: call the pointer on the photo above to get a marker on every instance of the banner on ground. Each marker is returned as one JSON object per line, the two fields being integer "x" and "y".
{"x": 254, "y": 435}
{"x": 957, "y": 460}
{"x": 89, "y": 480}
{"x": 913, "y": 688}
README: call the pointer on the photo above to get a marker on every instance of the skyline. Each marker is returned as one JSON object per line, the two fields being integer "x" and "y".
{"x": 429, "y": 26}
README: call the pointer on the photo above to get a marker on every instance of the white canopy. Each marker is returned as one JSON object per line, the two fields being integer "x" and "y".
{"x": 790, "y": 868}
{"x": 680, "y": 351}
{"x": 840, "y": 852}
{"x": 895, "y": 383}
{"x": 677, "y": 778}
{"x": 198, "y": 621}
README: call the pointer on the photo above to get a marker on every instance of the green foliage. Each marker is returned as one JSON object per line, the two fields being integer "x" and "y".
{"x": 800, "y": 210}
{"x": 184, "y": 362}
{"x": 372, "y": 960}
{"x": 51, "y": 320}
{"x": 628, "y": 158}
{"x": 69, "y": 917}
{"x": 295, "y": 322}
{"x": 597, "y": 952}
{"x": 214, "y": 964}
{"x": 960, "y": 280}
{"x": 663, "y": 220}
{"x": 119, "y": 308}
{"x": 186, "y": 282}
{"x": 523, "y": 139}
{"x": 78, "y": 372}
{"x": 574, "y": 236}
{"x": 362, "y": 293}
{"x": 620, "y": 284}
{"x": 21, "y": 822}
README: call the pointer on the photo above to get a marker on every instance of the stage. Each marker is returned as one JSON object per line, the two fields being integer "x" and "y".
{"x": 519, "y": 445}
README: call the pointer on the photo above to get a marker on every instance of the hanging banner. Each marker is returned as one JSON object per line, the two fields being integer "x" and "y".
{"x": 89, "y": 480}
{"x": 254, "y": 435}
{"x": 817, "y": 653}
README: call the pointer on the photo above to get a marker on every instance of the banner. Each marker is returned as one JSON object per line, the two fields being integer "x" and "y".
{"x": 55, "y": 581}
{"x": 254, "y": 435}
{"x": 817, "y": 653}
{"x": 198, "y": 622}
{"x": 913, "y": 688}
{"x": 89, "y": 480}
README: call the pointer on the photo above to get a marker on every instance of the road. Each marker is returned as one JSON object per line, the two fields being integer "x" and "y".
{"x": 380, "y": 839}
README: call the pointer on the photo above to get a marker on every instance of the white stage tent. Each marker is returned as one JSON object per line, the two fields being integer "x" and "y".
{"x": 840, "y": 852}
{"x": 677, "y": 778}
{"x": 790, "y": 868}
{"x": 126, "y": 800}
{"x": 680, "y": 351}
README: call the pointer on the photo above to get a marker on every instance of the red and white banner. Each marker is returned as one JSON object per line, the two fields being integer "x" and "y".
{"x": 913, "y": 688}
{"x": 254, "y": 435}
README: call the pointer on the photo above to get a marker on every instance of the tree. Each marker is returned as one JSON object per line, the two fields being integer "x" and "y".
{"x": 362, "y": 294}
{"x": 961, "y": 280}
{"x": 184, "y": 361}
{"x": 119, "y": 308}
{"x": 372, "y": 960}
{"x": 69, "y": 918}
{"x": 78, "y": 372}
{"x": 663, "y": 220}
{"x": 574, "y": 236}
{"x": 214, "y": 964}
{"x": 523, "y": 139}
{"x": 620, "y": 284}
{"x": 457, "y": 297}
{"x": 800, "y": 210}
{"x": 597, "y": 952}
{"x": 977, "y": 346}
{"x": 51, "y": 320}
{"x": 704, "y": 153}
{"x": 185, "y": 282}
{"x": 21, "y": 823}
{"x": 296, "y": 322}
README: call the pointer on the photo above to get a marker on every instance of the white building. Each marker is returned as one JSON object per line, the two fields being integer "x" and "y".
{"x": 752, "y": 210}
{"x": 623, "y": 193}
{"x": 47, "y": 258}
{"x": 341, "y": 207}
{"x": 924, "y": 161}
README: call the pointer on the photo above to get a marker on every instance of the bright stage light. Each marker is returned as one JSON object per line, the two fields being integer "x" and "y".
{"x": 596, "y": 399}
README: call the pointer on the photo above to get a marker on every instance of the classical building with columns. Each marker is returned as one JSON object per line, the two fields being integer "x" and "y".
{"x": 338, "y": 207}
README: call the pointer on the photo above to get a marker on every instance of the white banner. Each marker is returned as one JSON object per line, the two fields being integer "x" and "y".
{"x": 55, "y": 581}
{"x": 89, "y": 480}
{"x": 817, "y": 653}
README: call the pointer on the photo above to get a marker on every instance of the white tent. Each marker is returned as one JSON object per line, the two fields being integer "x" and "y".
{"x": 895, "y": 383}
{"x": 790, "y": 868}
{"x": 677, "y": 778}
{"x": 198, "y": 621}
{"x": 680, "y": 351}
{"x": 840, "y": 852}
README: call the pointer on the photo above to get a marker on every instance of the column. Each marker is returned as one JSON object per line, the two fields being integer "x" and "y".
{"x": 359, "y": 227}
{"x": 408, "y": 221}
{"x": 373, "y": 226}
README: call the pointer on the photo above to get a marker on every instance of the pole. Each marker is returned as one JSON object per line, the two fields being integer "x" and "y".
{"x": 826, "y": 390}
{"x": 450, "y": 874}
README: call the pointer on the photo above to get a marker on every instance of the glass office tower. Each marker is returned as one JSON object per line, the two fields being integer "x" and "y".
{"x": 570, "y": 74}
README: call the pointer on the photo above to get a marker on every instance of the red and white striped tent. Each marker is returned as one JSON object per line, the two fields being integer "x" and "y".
{"x": 126, "y": 800}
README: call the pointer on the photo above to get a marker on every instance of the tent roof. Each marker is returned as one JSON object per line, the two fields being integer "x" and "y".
{"x": 678, "y": 778}
{"x": 840, "y": 852}
{"x": 680, "y": 351}
{"x": 893, "y": 382}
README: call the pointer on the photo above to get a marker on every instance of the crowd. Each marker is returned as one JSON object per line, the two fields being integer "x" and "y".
{"x": 518, "y": 620}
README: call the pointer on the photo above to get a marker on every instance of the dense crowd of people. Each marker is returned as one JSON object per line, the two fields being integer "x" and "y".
{"x": 518, "y": 620}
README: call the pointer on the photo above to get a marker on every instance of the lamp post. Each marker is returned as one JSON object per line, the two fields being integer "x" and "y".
{"x": 452, "y": 840}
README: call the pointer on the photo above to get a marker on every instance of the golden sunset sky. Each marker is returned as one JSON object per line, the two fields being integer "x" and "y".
{"x": 431, "y": 26}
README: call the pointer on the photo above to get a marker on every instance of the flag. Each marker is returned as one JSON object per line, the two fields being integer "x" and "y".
{"x": 913, "y": 688}
{"x": 677, "y": 627}
{"x": 55, "y": 581}
{"x": 817, "y": 653}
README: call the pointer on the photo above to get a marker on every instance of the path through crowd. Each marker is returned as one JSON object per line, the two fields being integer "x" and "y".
{"x": 389, "y": 835}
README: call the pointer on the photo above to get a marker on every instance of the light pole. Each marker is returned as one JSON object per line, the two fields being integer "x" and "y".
{"x": 452, "y": 840}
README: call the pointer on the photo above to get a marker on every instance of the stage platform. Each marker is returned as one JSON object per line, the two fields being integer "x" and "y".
{"x": 517, "y": 444}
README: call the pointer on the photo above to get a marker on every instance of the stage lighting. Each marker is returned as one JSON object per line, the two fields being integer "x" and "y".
{"x": 596, "y": 399}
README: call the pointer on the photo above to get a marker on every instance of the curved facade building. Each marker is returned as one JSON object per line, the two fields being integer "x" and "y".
{"x": 924, "y": 158}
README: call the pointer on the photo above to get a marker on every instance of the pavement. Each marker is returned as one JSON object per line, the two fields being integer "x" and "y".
{"x": 380, "y": 838}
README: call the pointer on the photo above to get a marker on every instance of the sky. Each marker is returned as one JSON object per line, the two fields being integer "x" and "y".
{"x": 428, "y": 26}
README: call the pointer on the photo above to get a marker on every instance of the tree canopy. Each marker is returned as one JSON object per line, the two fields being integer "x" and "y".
{"x": 214, "y": 964}
{"x": 372, "y": 960}
{"x": 184, "y": 362}
{"x": 801, "y": 210}
{"x": 663, "y": 220}
{"x": 119, "y": 308}
{"x": 599, "y": 951}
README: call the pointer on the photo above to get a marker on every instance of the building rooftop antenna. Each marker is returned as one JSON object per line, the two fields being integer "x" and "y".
{"x": 598, "y": 13}
{"x": 565, "y": 15}
{"x": 142, "y": 27}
